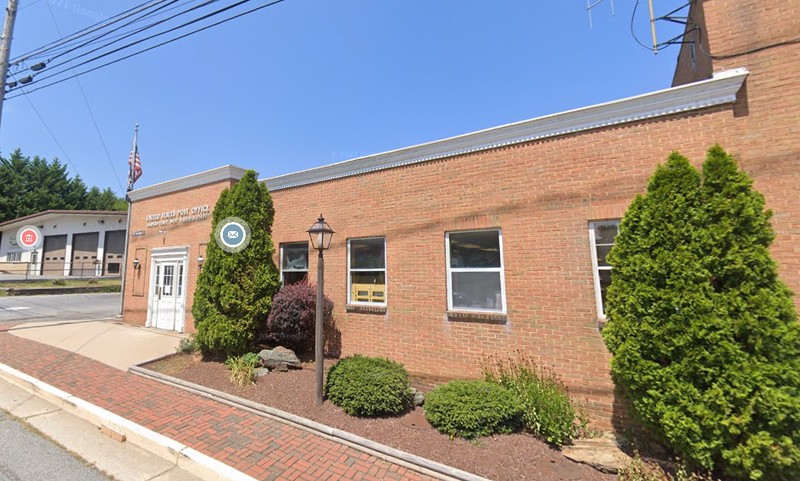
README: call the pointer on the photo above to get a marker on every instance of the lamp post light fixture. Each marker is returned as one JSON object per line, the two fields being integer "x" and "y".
{"x": 320, "y": 235}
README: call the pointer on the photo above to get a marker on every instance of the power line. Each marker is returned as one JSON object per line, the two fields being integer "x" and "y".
{"x": 62, "y": 46}
{"x": 87, "y": 30}
{"x": 52, "y": 135}
{"x": 89, "y": 108}
{"x": 166, "y": 42}
{"x": 31, "y": 79}
{"x": 124, "y": 36}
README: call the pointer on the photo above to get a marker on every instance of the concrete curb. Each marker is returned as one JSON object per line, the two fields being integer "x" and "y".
{"x": 183, "y": 456}
{"x": 382, "y": 451}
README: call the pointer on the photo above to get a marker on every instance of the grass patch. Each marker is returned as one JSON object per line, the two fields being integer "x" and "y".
{"x": 36, "y": 284}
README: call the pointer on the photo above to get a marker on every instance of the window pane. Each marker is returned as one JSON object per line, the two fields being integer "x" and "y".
{"x": 295, "y": 257}
{"x": 475, "y": 249}
{"x": 294, "y": 277}
{"x": 605, "y": 281}
{"x": 602, "y": 252}
{"x": 367, "y": 254}
{"x": 368, "y": 286}
{"x": 477, "y": 290}
{"x": 605, "y": 232}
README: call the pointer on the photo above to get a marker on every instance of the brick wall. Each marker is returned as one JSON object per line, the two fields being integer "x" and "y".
{"x": 194, "y": 234}
{"x": 542, "y": 195}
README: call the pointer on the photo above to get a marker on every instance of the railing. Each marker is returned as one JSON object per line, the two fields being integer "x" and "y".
{"x": 57, "y": 269}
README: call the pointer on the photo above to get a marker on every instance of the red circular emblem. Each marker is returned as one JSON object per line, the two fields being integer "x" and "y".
{"x": 29, "y": 238}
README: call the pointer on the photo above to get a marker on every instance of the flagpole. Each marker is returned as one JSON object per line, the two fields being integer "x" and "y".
{"x": 131, "y": 164}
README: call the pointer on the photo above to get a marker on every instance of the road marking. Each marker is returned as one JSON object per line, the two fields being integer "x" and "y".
{"x": 19, "y": 308}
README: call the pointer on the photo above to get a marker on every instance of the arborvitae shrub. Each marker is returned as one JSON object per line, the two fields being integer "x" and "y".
{"x": 234, "y": 290}
{"x": 704, "y": 335}
{"x": 368, "y": 386}
{"x": 470, "y": 409}
{"x": 292, "y": 318}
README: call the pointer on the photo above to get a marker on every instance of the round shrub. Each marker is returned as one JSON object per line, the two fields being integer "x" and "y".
{"x": 293, "y": 317}
{"x": 368, "y": 386}
{"x": 470, "y": 409}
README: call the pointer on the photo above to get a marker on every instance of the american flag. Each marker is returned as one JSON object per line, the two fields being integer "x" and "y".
{"x": 134, "y": 163}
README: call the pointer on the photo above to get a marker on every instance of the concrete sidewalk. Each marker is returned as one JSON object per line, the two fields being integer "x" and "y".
{"x": 111, "y": 342}
{"x": 206, "y": 437}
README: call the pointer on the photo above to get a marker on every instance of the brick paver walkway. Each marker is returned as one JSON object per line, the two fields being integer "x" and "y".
{"x": 260, "y": 447}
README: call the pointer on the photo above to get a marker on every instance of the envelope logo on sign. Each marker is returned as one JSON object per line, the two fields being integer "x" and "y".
{"x": 233, "y": 234}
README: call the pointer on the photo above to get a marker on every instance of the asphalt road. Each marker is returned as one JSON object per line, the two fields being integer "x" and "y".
{"x": 28, "y": 456}
{"x": 65, "y": 307}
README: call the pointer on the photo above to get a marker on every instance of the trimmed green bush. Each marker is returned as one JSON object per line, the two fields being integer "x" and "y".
{"x": 547, "y": 410}
{"x": 704, "y": 335}
{"x": 234, "y": 290}
{"x": 187, "y": 345}
{"x": 470, "y": 409}
{"x": 368, "y": 386}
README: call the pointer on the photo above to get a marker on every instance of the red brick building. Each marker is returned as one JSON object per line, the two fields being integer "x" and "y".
{"x": 448, "y": 252}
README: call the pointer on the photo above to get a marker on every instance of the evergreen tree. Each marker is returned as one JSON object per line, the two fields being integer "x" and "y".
{"x": 705, "y": 337}
{"x": 234, "y": 290}
{"x": 28, "y": 186}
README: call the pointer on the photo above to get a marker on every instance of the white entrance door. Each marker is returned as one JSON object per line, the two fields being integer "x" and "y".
{"x": 168, "y": 296}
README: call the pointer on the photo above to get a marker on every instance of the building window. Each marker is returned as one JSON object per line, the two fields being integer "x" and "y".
{"x": 14, "y": 257}
{"x": 366, "y": 265}
{"x": 294, "y": 263}
{"x": 601, "y": 238}
{"x": 475, "y": 280}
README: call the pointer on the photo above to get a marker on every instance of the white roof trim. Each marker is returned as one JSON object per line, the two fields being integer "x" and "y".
{"x": 721, "y": 89}
{"x": 226, "y": 172}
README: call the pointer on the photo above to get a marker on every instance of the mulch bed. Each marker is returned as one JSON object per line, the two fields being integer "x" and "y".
{"x": 513, "y": 457}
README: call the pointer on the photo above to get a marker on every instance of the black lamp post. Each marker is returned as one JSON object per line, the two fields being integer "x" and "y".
{"x": 320, "y": 234}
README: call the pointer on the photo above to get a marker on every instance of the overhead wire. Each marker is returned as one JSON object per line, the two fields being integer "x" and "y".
{"x": 699, "y": 42}
{"x": 52, "y": 135}
{"x": 91, "y": 111}
{"x": 749, "y": 51}
{"x": 30, "y": 81}
{"x": 656, "y": 48}
{"x": 122, "y": 37}
{"x": 86, "y": 31}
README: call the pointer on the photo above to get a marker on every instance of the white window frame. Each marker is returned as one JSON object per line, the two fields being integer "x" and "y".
{"x": 350, "y": 270}
{"x": 451, "y": 270}
{"x": 596, "y": 268}
{"x": 284, "y": 244}
{"x": 13, "y": 256}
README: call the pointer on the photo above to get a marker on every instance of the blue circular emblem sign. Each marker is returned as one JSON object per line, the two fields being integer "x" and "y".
{"x": 232, "y": 234}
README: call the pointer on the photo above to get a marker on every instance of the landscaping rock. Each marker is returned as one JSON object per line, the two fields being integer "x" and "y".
{"x": 261, "y": 371}
{"x": 280, "y": 367}
{"x": 418, "y": 398}
{"x": 279, "y": 359}
{"x": 601, "y": 453}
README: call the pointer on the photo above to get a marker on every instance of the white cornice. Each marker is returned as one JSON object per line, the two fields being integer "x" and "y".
{"x": 219, "y": 174}
{"x": 719, "y": 90}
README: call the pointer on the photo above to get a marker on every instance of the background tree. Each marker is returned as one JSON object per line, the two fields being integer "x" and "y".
{"x": 704, "y": 335}
{"x": 234, "y": 290}
{"x": 28, "y": 186}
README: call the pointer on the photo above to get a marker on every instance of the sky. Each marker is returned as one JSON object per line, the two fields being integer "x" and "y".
{"x": 306, "y": 83}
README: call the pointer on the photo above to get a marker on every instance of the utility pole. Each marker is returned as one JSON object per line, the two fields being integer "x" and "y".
{"x": 5, "y": 48}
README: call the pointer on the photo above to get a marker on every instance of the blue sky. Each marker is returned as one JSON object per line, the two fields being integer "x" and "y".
{"x": 309, "y": 82}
